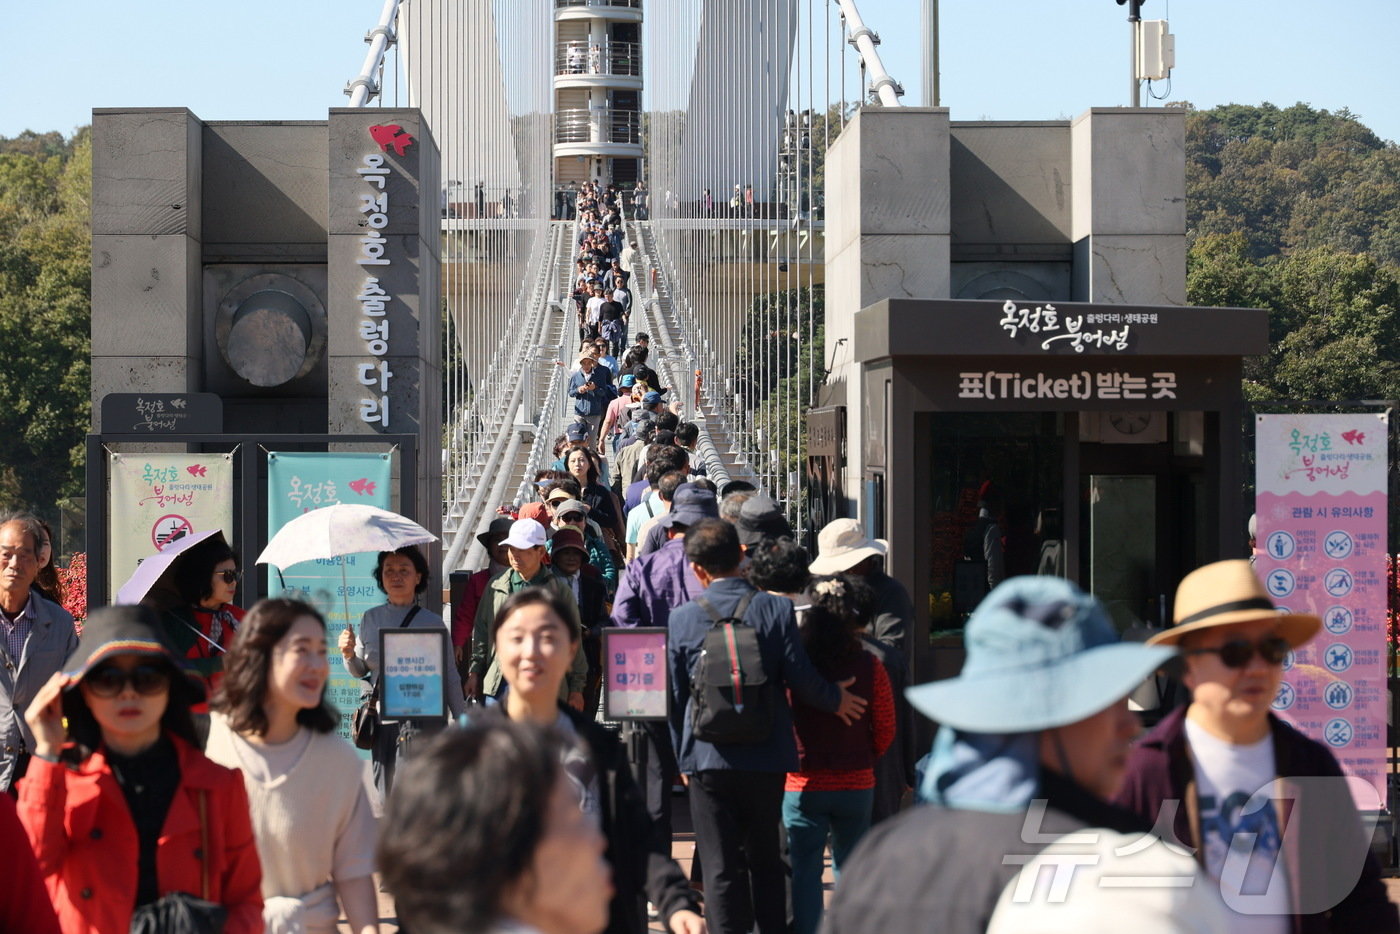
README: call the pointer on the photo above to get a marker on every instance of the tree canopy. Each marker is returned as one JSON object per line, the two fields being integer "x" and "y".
{"x": 45, "y": 277}
{"x": 1297, "y": 210}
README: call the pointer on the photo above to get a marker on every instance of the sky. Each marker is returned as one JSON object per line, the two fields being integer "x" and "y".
{"x": 1000, "y": 59}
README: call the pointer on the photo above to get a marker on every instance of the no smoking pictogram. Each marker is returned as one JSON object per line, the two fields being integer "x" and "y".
{"x": 170, "y": 528}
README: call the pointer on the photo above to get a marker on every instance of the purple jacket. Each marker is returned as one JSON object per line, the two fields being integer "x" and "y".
{"x": 1321, "y": 830}
{"x": 654, "y": 585}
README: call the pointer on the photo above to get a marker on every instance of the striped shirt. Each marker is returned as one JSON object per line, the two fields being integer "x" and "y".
{"x": 16, "y": 630}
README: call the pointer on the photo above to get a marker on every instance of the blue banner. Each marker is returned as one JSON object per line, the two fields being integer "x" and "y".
{"x": 342, "y": 588}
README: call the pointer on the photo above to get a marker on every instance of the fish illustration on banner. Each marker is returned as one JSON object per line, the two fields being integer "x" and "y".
{"x": 298, "y": 483}
{"x": 158, "y": 499}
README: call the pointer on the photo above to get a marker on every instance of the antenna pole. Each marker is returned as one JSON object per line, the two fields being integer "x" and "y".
{"x": 1134, "y": 21}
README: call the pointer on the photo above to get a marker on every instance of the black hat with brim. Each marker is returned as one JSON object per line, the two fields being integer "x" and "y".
{"x": 129, "y": 630}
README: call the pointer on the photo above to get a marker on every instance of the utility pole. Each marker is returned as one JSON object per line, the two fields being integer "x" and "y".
{"x": 930, "y": 53}
{"x": 1134, "y": 18}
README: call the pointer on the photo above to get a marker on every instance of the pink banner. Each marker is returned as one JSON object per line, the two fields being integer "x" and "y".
{"x": 1320, "y": 502}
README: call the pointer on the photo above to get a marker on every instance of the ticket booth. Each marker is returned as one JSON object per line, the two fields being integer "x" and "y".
{"x": 1104, "y": 439}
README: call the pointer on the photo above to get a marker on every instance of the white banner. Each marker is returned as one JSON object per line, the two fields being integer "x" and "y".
{"x": 158, "y": 498}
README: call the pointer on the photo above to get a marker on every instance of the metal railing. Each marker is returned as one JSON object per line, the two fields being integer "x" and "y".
{"x": 605, "y": 125}
{"x": 580, "y": 57}
{"x": 570, "y": 4}
{"x": 483, "y": 439}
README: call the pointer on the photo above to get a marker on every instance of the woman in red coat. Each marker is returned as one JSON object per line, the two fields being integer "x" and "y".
{"x": 121, "y": 808}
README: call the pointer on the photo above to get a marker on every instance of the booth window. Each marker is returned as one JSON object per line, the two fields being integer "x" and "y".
{"x": 1010, "y": 466}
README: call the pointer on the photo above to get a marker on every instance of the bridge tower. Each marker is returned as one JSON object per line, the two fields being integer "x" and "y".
{"x": 597, "y": 91}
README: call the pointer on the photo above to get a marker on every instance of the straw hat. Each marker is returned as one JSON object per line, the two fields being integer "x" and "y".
{"x": 1230, "y": 592}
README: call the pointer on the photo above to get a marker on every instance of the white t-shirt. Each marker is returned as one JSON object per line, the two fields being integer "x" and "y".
{"x": 1240, "y": 829}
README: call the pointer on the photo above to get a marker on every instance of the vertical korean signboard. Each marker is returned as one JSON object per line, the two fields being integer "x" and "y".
{"x": 1321, "y": 544}
{"x": 299, "y": 483}
{"x": 157, "y": 499}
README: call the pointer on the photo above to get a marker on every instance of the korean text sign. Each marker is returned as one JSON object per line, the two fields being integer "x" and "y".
{"x": 415, "y": 661}
{"x": 299, "y": 483}
{"x": 157, "y": 499}
{"x": 634, "y": 674}
{"x": 1320, "y": 548}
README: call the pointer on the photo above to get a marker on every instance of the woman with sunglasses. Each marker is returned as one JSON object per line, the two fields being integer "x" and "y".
{"x": 121, "y": 808}
{"x": 311, "y": 815}
{"x": 207, "y": 577}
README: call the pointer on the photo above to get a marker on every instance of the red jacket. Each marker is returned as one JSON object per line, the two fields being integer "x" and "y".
{"x": 24, "y": 905}
{"x": 83, "y": 835}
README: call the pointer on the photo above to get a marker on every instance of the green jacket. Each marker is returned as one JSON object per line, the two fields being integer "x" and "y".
{"x": 484, "y": 650}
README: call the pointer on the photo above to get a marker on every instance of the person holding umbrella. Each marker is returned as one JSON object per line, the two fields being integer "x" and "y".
{"x": 206, "y": 577}
{"x": 402, "y": 574}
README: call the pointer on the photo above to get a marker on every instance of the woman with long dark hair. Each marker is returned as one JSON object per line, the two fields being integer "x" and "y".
{"x": 603, "y": 507}
{"x": 118, "y": 797}
{"x": 833, "y": 790}
{"x": 311, "y": 815}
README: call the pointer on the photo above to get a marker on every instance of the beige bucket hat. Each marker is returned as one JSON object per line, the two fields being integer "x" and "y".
{"x": 1230, "y": 592}
{"x": 842, "y": 544}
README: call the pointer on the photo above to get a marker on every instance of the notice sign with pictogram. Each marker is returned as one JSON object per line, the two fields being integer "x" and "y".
{"x": 1320, "y": 504}
{"x": 157, "y": 499}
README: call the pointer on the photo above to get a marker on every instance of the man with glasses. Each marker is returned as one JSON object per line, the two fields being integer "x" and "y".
{"x": 36, "y": 635}
{"x": 1264, "y": 808}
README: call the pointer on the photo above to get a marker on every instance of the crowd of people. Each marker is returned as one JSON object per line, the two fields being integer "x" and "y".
{"x": 180, "y": 759}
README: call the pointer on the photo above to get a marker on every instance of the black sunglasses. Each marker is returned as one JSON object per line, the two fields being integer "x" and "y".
{"x": 109, "y": 680}
{"x": 230, "y": 577}
{"x": 1237, "y": 652}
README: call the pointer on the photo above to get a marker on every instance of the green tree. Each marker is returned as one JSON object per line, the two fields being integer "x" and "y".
{"x": 45, "y": 310}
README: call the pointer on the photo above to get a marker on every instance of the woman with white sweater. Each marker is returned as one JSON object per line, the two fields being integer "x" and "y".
{"x": 311, "y": 814}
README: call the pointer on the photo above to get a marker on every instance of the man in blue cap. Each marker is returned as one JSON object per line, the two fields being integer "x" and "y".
{"x": 1034, "y": 742}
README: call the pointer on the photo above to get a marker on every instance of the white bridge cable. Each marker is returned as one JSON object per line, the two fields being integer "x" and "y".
{"x": 746, "y": 92}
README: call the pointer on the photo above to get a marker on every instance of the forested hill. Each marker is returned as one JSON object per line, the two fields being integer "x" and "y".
{"x": 1298, "y": 210}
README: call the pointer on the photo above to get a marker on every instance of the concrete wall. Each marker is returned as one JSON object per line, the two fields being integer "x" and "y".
{"x": 1129, "y": 186}
{"x": 146, "y": 252}
{"x": 1086, "y": 210}
{"x": 185, "y": 214}
{"x": 887, "y": 236}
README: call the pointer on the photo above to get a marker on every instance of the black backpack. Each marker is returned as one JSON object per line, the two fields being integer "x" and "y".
{"x": 732, "y": 699}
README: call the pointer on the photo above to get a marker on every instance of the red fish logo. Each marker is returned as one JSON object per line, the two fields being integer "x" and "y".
{"x": 197, "y": 470}
{"x": 391, "y": 136}
{"x": 1353, "y": 436}
{"x": 363, "y": 486}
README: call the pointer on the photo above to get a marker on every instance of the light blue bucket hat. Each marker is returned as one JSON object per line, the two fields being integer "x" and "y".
{"x": 1041, "y": 653}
